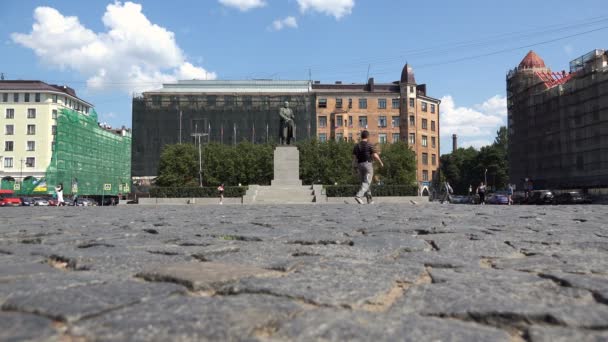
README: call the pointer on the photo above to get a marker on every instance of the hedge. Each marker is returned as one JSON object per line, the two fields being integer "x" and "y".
{"x": 196, "y": 192}
{"x": 377, "y": 190}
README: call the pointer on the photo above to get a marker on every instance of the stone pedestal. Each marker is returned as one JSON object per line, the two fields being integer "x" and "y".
{"x": 286, "y": 166}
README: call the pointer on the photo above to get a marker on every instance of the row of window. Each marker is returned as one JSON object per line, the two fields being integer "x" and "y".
{"x": 322, "y": 103}
{"x": 424, "y": 142}
{"x": 31, "y": 129}
{"x": 26, "y": 97}
{"x": 31, "y": 113}
{"x": 425, "y": 159}
{"x": 382, "y": 137}
{"x": 29, "y": 162}
{"x": 343, "y": 120}
{"x": 425, "y": 175}
{"x": 10, "y": 145}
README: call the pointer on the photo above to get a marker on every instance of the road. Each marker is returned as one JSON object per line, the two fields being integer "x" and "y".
{"x": 309, "y": 272}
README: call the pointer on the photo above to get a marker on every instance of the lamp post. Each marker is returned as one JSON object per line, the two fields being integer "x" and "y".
{"x": 485, "y": 177}
{"x": 200, "y": 156}
{"x": 21, "y": 173}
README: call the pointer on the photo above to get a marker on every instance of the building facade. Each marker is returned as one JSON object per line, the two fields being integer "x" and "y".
{"x": 390, "y": 112}
{"x": 558, "y": 123}
{"x": 42, "y": 126}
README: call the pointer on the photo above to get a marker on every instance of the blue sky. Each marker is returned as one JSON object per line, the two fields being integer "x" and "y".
{"x": 462, "y": 50}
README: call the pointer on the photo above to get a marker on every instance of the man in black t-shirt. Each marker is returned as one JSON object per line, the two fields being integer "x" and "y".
{"x": 363, "y": 155}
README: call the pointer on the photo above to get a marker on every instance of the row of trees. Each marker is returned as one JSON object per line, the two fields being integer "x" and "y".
{"x": 467, "y": 167}
{"x": 246, "y": 163}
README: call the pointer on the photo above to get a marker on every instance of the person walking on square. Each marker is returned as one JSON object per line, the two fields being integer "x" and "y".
{"x": 220, "y": 189}
{"x": 448, "y": 192}
{"x": 481, "y": 191}
{"x": 59, "y": 191}
{"x": 363, "y": 155}
{"x": 510, "y": 193}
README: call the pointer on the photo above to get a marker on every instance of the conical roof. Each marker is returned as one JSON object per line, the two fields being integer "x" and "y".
{"x": 532, "y": 60}
{"x": 407, "y": 75}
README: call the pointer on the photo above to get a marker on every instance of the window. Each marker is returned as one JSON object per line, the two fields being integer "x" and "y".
{"x": 363, "y": 121}
{"x": 425, "y": 175}
{"x": 8, "y": 162}
{"x": 412, "y": 102}
{"x": 395, "y": 121}
{"x": 382, "y": 138}
{"x": 54, "y": 114}
{"x": 412, "y": 121}
{"x": 37, "y": 97}
{"x": 8, "y": 146}
{"x": 339, "y": 121}
{"x": 412, "y": 138}
{"x": 350, "y": 103}
{"x": 350, "y": 137}
{"x": 395, "y": 137}
{"x": 338, "y": 103}
{"x": 423, "y": 106}
{"x": 30, "y": 162}
{"x": 211, "y": 100}
{"x": 10, "y": 113}
{"x": 31, "y": 146}
{"x": 395, "y": 103}
{"x": 4, "y": 97}
{"x": 433, "y": 142}
{"x": 580, "y": 163}
{"x": 26, "y": 97}
{"x": 229, "y": 100}
{"x": 16, "y": 97}
{"x": 54, "y": 130}
{"x": 382, "y": 103}
{"x": 411, "y": 89}
{"x": 382, "y": 121}
{"x": 322, "y": 103}
{"x": 434, "y": 159}
{"x": 432, "y": 125}
{"x": 350, "y": 121}
{"x": 339, "y": 136}
{"x": 65, "y": 101}
{"x": 9, "y": 130}
{"x": 424, "y": 123}
{"x": 54, "y": 98}
{"x": 362, "y": 103}
{"x": 434, "y": 175}
{"x": 432, "y": 108}
{"x": 31, "y": 129}
{"x": 425, "y": 141}
{"x": 31, "y": 113}
{"x": 247, "y": 101}
{"x": 322, "y": 137}
{"x": 156, "y": 100}
{"x": 322, "y": 121}
{"x": 425, "y": 159}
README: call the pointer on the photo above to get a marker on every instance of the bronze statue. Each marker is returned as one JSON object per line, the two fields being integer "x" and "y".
{"x": 287, "y": 124}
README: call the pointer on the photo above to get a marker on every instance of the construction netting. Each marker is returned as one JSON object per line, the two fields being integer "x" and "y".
{"x": 87, "y": 159}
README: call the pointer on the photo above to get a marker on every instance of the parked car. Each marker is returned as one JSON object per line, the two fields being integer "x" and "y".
{"x": 497, "y": 199}
{"x": 457, "y": 199}
{"x": 8, "y": 199}
{"x": 52, "y": 202}
{"x": 40, "y": 202}
{"x": 27, "y": 201}
{"x": 571, "y": 197}
{"x": 540, "y": 197}
{"x": 82, "y": 202}
{"x": 519, "y": 198}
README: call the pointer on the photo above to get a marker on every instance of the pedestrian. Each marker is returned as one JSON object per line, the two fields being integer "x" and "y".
{"x": 220, "y": 189}
{"x": 470, "y": 190}
{"x": 481, "y": 191}
{"x": 510, "y": 193}
{"x": 363, "y": 155}
{"x": 59, "y": 191}
{"x": 448, "y": 192}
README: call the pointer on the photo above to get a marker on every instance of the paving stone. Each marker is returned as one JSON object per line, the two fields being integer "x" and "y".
{"x": 203, "y": 276}
{"x": 558, "y": 334}
{"x": 72, "y": 304}
{"x": 15, "y": 326}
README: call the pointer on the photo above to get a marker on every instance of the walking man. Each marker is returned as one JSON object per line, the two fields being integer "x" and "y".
{"x": 363, "y": 155}
{"x": 481, "y": 191}
{"x": 448, "y": 192}
{"x": 220, "y": 190}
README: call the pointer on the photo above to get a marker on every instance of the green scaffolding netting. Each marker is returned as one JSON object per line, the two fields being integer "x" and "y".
{"x": 86, "y": 159}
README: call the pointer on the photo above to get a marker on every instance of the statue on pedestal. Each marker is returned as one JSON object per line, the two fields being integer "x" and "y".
{"x": 287, "y": 124}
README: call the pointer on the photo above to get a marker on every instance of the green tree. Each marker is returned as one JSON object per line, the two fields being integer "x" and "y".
{"x": 399, "y": 164}
{"x": 178, "y": 166}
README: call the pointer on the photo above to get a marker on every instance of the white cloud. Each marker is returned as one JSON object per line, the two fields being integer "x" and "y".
{"x": 133, "y": 54}
{"x": 336, "y": 8}
{"x": 288, "y": 22}
{"x": 243, "y": 5}
{"x": 475, "y": 126}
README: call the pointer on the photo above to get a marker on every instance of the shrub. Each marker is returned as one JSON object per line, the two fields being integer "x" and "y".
{"x": 196, "y": 192}
{"x": 377, "y": 190}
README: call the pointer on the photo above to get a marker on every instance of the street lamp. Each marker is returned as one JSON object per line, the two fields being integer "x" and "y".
{"x": 485, "y": 177}
{"x": 200, "y": 157}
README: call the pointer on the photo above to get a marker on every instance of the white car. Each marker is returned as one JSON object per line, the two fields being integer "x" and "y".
{"x": 38, "y": 201}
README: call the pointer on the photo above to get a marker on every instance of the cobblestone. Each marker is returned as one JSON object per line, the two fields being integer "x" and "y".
{"x": 305, "y": 272}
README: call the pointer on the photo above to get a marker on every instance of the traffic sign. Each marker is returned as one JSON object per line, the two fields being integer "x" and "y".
{"x": 107, "y": 187}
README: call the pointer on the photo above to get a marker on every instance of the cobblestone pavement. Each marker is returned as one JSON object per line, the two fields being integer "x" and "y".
{"x": 310, "y": 272}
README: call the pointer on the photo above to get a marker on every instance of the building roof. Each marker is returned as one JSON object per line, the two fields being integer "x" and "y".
{"x": 532, "y": 60}
{"x": 38, "y": 86}
{"x": 355, "y": 88}
{"x": 234, "y": 86}
{"x": 407, "y": 74}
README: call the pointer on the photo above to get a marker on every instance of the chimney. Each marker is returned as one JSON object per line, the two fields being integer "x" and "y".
{"x": 370, "y": 84}
{"x": 454, "y": 142}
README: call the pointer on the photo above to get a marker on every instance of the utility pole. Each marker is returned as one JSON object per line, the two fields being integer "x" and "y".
{"x": 180, "y": 126}
{"x": 198, "y": 136}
